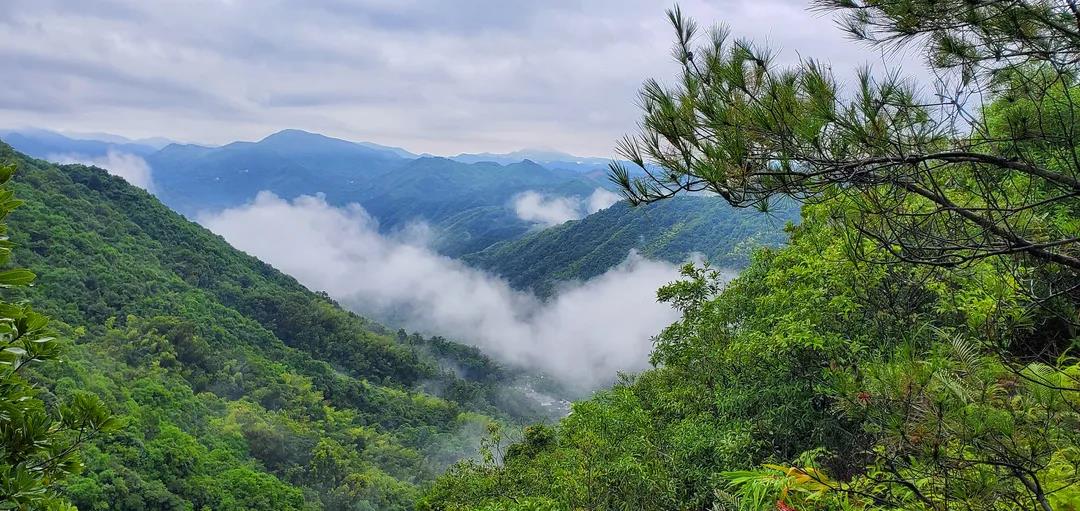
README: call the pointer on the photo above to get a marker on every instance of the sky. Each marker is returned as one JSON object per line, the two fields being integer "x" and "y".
{"x": 436, "y": 76}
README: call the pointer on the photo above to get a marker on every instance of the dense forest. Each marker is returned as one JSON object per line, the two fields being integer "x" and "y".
{"x": 912, "y": 348}
{"x": 230, "y": 385}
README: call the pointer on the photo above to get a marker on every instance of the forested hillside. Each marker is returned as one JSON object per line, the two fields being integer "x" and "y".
{"x": 235, "y": 387}
{"x": 673, "y": 231}
{"x": 912, "y": 348}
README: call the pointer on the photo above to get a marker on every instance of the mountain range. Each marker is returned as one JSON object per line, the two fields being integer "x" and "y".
{"x": 42, "y": 143}
{"x": 468, "y": 202}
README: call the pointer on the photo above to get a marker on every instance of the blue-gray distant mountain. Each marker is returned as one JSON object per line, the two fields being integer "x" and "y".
{"x": 47, "y": 144}
{"x": 154, "y": 142}
{"x": 468, "y": 205}
{"x": 594, "y": 167}
{"x": 192, "y": 178}
{"x": 546, "y": 157}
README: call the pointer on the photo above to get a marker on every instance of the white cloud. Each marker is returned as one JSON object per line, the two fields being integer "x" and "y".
{"x": 549, "y": 210}
{"x": 602, "y": 199}
{"x": 585, "y": 334}
{"x": 544, "y": 209}
{"x": 132, "y": 168}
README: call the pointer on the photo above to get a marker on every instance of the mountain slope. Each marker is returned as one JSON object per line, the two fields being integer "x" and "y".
{"x": 234, "y": 381}
{"x": 671, "y": 230}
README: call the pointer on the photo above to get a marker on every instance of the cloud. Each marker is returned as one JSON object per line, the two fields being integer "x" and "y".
{"x": 132, "y": 168}
{"x": 585, "y": 334}
{"x": 549, "y": 210}
{"x": 544, "y": 209}
{"x": 602, "y": 199}
{"x": 438, "y": 77}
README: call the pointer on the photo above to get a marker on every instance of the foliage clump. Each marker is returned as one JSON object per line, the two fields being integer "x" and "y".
{"x": 39, "y": 437}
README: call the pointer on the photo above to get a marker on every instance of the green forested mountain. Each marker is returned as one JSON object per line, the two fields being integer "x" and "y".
{"x": 41, "y": 440}
{"x": 235, "y": 387}
{"x": 672, "y": 230}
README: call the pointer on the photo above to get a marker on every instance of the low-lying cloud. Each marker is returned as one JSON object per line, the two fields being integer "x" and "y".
{"x": 585, "y": 334}
{"x": 549, "y": 210}
{"x": 132, "y": 168}
{"x": 601, "y": 199}
{"x": 546, "y": 210}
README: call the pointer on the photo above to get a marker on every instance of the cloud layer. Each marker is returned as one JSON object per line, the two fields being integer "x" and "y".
{"x": 601, "y": 199}
{"x": 132, "y": 168}
{"x": 549, "y": 210}
{"x": 439, "y": 77}
{"x": 587, "y": 333}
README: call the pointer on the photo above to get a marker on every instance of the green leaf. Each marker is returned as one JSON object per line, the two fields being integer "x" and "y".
{"x": 6, "y": 171}
{"x": 16, "y": 277}
{"x": 15, "y": 350}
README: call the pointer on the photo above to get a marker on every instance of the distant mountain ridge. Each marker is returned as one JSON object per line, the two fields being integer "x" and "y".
{"x": 45, "y": 144}
{"x": 546, "y": 157}
{"x": 468, "y": 201}
{"x": 31, "y": 141}
{"x": 192, "y": 178}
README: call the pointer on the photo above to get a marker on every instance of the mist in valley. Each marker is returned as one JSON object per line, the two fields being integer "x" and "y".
{"x": 584, "y": 335}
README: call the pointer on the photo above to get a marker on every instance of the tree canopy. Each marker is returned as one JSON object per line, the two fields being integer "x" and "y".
{"x": 979, "y": 163}
{"x": 39, "y": 441}
{"x": 913, "y": 347}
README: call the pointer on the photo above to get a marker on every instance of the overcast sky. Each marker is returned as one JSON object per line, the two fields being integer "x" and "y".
{"x": 436, "y": 76}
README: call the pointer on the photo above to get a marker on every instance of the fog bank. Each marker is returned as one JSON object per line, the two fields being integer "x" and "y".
{"x": 549, "y": 210}
{"x": 585, "y": 334}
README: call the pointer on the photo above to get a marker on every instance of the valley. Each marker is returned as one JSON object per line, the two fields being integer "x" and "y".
{"x": 769, "y": 255}
{"x": 165, "y": 318}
